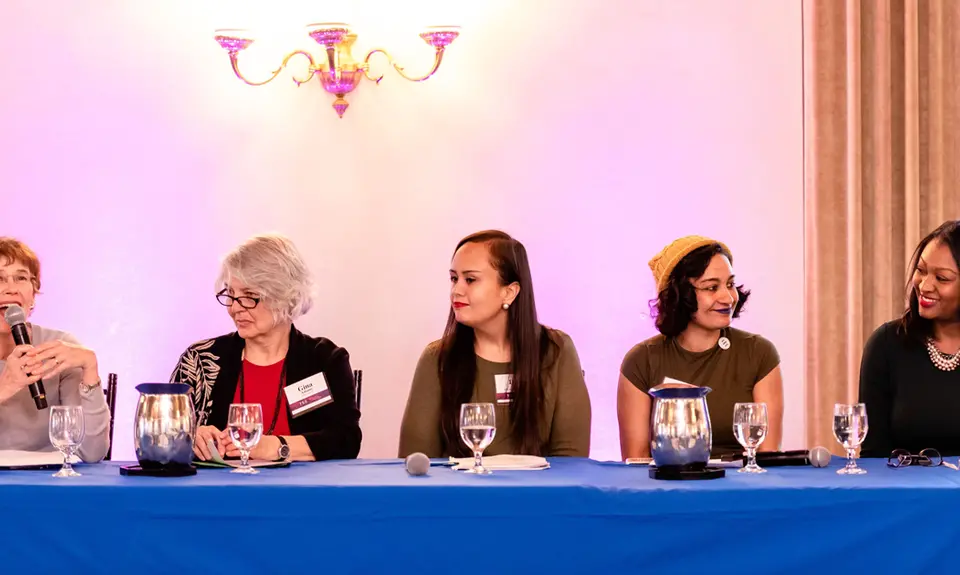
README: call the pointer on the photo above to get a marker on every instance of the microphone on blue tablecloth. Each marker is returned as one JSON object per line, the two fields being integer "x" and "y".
{"x": 417, "y": 464}
{"x": 819, "y": 456}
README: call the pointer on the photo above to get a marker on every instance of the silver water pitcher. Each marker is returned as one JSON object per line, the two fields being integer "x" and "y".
{"x": 680, "y": 432}
{"x": 164, "y": 426}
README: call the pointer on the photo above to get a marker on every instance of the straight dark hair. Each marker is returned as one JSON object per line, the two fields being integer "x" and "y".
{"x": 912, "y": 326}
{"x": 530, "y": 344}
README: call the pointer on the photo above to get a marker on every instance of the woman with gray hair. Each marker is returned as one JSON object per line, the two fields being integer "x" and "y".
{"x": 266, "y": 286}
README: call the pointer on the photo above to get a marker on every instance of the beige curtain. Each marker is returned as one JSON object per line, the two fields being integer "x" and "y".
{"x": 882, "y": 169}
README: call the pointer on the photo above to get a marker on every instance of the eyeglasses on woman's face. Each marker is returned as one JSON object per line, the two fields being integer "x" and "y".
{"x": 246, "y": 302}
{"x": 19, "y": 280}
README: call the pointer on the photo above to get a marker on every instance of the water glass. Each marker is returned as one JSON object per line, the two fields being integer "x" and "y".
{"x": 66, "y": 431}
{"x": 750, "y": 429}
{"x": 245, "y": 426}
{"x": 850, "y": 428}
{"x": 478, "y": 427}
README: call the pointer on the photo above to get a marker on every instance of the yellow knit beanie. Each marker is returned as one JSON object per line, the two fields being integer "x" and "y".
{"x": 663, "y": 263}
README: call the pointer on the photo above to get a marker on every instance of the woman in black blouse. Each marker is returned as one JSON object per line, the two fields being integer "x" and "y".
{"x": 909, "y": 379}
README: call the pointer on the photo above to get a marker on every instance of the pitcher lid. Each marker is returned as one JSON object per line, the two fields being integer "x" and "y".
{"x": 673, "y": 391}
{"x": 164, "y": 388}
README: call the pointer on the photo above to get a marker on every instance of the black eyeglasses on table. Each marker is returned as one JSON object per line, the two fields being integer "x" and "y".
{"x": 928, "y": 457}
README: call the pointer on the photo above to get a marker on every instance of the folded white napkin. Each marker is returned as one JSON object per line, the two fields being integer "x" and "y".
{"x": 503, "y": 462}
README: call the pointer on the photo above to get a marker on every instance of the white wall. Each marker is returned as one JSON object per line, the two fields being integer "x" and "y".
{"x": 593, "y": 131}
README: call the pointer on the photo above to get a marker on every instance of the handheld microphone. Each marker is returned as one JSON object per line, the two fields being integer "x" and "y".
{"x": 417, "y": 464}
{"x": 17, "y": 320}
{"x": 819, "y": 456}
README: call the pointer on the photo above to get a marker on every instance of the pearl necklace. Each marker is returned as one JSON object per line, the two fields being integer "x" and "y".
{"x": 943, "y": 361}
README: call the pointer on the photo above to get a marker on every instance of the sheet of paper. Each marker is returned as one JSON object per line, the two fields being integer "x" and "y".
{"x": 216, "y": 454}
{"x": 232, "y": 463}
{"x": 15, "y": 458}
{"x": 218, "y": 461}
{"x": 639, "y": 460}
{"x": 671, "y": 382}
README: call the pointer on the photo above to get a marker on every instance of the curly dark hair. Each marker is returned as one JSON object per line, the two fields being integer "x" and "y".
{"x": 911, "y": 325}
{"x": 675, "y": 305}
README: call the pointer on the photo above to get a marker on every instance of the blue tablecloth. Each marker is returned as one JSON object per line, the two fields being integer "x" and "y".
{"x": 580, "y": 516}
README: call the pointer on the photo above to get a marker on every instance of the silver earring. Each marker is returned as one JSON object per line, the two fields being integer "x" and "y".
{"x": 506, "y": 306}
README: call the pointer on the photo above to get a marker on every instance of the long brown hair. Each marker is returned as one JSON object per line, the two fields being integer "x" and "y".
{"x": 912, "y": 326}
{"x": 529, "y": 346}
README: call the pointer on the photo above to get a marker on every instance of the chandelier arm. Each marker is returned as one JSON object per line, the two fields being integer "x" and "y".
{"x": 437, "y": 59}
{"x": 275, "y": 73}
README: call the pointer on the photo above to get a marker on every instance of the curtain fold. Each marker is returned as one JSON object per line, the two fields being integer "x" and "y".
{"x": 881, "y": 154}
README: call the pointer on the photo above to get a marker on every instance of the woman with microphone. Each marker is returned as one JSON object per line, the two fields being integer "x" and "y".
{"x": 68, "y": 370}
{"x": 495, "y": 350}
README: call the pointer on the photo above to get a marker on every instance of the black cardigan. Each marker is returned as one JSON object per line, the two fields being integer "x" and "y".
{"x": 212, "y": 368}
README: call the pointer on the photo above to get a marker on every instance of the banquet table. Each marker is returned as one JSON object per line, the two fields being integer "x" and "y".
{"x": 578, "y": 516}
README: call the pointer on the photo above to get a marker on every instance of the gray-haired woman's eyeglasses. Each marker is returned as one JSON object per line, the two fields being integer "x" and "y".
{"x": 246, "y": 302}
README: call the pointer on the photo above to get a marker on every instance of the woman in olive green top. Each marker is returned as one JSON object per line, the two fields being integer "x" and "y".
{"x": 493, "y": 332}
{"x": 696, "y": 300}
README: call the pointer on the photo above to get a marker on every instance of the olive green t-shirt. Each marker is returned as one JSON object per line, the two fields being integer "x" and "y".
{"x": 565, "y": 429}
{"x": 729, "y": 373}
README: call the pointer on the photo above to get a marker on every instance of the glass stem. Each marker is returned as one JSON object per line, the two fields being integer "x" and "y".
{"x": 66, "y": 460}
{"x": 244, "y": 457}
{"x": 851, "y": 461}
{"x": 751, "y": 457}
{"x": 477, "y": 459}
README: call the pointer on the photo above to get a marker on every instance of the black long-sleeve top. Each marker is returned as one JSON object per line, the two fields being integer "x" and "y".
{"x": 911, "y": 404}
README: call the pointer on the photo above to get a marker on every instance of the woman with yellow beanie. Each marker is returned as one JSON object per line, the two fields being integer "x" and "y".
{"x": 697, "y": 298}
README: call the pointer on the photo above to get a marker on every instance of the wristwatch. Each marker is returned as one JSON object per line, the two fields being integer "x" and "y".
{"x": 284, "y": 451}
{"x": 87, "y": 389}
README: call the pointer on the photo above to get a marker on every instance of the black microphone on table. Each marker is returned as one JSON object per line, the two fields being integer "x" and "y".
{"x": 17, "y": 320}
{"x": 815, "y": 457}
{"x": 417, "y": 464}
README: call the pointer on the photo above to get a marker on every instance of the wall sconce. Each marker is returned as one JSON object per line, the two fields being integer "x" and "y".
{"x": 339, "y": 73}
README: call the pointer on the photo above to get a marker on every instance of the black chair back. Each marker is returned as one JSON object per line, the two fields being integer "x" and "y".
{"x": 111, "y": 395}
{"x": 358, "y": 384}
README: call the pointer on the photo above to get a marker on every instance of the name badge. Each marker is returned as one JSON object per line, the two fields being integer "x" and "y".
{"x": 504, "y": 383}
{"x": 308, "y": 394}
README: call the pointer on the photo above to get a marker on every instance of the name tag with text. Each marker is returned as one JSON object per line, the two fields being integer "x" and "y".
{"x": 308, "y": 394}
{"x": 504, "y": 383}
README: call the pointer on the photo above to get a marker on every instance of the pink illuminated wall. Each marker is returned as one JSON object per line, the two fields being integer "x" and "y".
{"x": 595, "y": 131}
